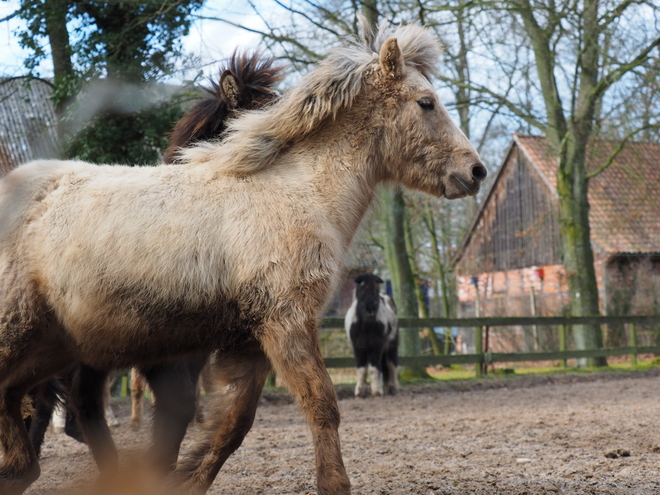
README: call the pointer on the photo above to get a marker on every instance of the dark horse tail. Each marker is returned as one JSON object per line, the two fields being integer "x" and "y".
{"x": 207, "y": 118}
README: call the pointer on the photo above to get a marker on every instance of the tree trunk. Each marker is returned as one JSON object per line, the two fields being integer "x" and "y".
{"x": 423, "y": 307}
{"x": 403, "y": 282}
{"x": 572, "y": 187}
{"x": 569, "y": 138}
{"x": 64, "y": 75}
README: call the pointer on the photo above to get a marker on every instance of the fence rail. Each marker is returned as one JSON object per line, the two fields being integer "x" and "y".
{"x": 481, "y": 359}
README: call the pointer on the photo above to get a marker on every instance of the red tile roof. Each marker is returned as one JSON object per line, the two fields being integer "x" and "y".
{"x": 624, "y": 199}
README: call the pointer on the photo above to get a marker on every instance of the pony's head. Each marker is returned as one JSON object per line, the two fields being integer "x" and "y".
{"x": 246, "y": 84}
{"x": 422, "y": 147}
{"x": 367, "y": 294}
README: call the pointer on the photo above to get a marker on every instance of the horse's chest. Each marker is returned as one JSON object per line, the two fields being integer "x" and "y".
{"x": 368, "y": 334}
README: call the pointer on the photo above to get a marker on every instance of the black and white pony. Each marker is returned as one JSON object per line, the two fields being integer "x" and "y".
{"x": 371, "y": 326}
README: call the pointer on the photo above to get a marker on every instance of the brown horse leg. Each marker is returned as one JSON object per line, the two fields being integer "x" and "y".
{"x": 21, "y": 465}
{"x": 240, "y": 375}
{"x": 137, "y": 391}
{"x": 87, "y": 400}
{"x": 174, "y": 389}
{"x": 296, "y": 357}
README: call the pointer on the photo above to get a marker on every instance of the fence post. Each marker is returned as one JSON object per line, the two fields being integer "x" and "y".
{"x": 562, "y": 343}
{"x": 479, "y": 351}
{"x": 632, "y": 342}
{"x": 447, "y": 346}
{"x": 124, "y": 385}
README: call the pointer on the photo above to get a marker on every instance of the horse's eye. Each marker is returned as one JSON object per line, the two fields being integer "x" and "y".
{"x": 426, "y": 103}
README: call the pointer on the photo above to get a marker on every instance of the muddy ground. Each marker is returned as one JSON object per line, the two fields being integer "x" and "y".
{"x": 567, "y": 434}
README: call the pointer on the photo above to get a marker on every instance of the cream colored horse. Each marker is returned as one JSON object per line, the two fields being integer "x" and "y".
{"x": 238, "y": 249}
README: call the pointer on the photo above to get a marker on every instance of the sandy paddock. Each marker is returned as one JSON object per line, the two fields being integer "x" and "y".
{"x": 566, "y": 434}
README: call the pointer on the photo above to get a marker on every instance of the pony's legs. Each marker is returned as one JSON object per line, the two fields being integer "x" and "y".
{"x": 376, "y": 370}
{"x": 361, "y": 363}
{"x": 174, "y": 387}
{"x": 296, "y": 356}
{"x": 239, "y": 375}
{"x": 137, "y": 392}
{"x": 87, "y": 401}
{"x": 390, "y": 368}
{"x": 21, "y": 466}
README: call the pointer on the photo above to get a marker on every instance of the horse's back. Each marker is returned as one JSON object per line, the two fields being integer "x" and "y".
{"x": 23, "y": 188}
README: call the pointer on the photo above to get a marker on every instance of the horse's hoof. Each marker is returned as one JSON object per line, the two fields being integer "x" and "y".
{"x": 337, "y": 486}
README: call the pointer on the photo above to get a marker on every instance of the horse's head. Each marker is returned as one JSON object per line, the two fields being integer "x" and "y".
{"x": 367, "y": 293}
{"x": 423, "y": 148}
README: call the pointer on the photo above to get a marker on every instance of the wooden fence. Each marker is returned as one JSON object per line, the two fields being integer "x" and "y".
{"x": 481, "y": 359}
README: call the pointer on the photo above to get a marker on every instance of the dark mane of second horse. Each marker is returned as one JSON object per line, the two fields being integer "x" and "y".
{"x": 207, "y": 118}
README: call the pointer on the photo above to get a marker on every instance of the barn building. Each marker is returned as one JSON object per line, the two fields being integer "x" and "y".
{"x": 510, "y": 263}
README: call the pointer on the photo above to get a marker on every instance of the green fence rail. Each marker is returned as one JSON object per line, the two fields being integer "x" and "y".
{"x": 481, "y": 359}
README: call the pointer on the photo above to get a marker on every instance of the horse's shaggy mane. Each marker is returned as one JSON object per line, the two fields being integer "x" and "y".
{"x": 254, "y": 140}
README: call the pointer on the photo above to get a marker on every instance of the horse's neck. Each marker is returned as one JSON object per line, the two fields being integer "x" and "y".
{"x": 344, "y": 180}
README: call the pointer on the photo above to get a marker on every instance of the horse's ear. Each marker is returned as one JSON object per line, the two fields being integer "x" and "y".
{"x": 378, "y": 279}
{"x": 230, "y": 89}
{"x": 391, "y": 59}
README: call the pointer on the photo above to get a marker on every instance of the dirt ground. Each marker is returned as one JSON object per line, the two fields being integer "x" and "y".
{"x": 593, "y": 433}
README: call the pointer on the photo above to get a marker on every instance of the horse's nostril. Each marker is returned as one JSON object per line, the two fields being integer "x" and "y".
{"x": 479, "y": 172}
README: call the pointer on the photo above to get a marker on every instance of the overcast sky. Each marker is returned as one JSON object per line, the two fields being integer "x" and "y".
{"x": 209, "y": 40}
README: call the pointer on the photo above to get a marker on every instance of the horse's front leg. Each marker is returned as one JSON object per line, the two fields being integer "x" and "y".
{"x": 293, "y": 350}
{"x": 21, "y": 465}
{"x": 239, "y": 376}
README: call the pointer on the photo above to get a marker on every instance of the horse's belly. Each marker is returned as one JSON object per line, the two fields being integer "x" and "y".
{"x": 157, "y": 335}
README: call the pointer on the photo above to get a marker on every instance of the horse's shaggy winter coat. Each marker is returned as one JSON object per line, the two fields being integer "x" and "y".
{"x": 245, "y": 84}
{"x": 238, "y": 249}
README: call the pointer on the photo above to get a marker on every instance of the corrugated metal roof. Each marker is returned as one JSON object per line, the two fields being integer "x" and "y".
{"x": 624, "y": 200}
{"x": 27, "y": 122}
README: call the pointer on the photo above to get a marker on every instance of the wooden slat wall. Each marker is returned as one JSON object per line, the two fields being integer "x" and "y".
{"x": 519, "y": 227}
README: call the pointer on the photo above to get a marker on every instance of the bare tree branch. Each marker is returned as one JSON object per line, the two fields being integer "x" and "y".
{"x": 619, "y": 148}
{"x": 515, "y": 109}
{"x": 623, "y": 69}
{"x": 10, "y": 16}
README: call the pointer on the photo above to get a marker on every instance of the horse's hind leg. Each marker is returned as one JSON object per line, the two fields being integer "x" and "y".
{"x": 174, "y": 387}
{"x": 294, "y": 351}
{"x": 205, "y": 382}
{"x": 21, "y": 466}
{"x": 87, "y": 401}
{"x": 45, "y": 397}
{"x": 239, "y": 375}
